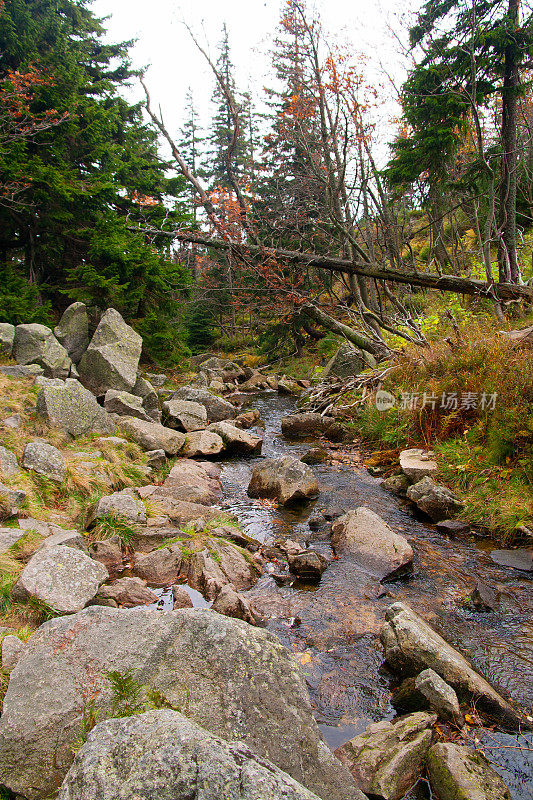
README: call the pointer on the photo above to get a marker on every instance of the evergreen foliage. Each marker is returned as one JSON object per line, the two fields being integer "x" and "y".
{"x": 87, "y": 180}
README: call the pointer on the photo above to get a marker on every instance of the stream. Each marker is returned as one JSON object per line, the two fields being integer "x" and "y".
{"x": 333, "y": 626}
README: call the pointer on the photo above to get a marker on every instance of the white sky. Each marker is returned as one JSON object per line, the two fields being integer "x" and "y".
{"x": 163, "y": 44}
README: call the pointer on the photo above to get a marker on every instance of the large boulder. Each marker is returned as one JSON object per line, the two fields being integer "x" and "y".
{"x": 72, "y": 331}
{"x": 417, "y": 464}
{"x": 434, "y": 499}
{"x": 460, "y": 773}
{"x": 192, "y": 481}
{"x": 236, "y": 681}
{"x": 7, "y": 336}
{"x": 161, "y": 567}
{"x": 217, "y": 408}
{"x": 125, "y": 404}
{"x": 152, "y": 435}
{"x": 112, "y": 358}
{"x": 45, "y": 460}
{"x": 164, "y": 754}
{"x": 36, "y": 344}
{"x": 124, "y": 505}
{"x": 184, "y": 415}
{"x": 285, "y": 479}
{"x": 411, "y": 645}
{"x": 72, "y": 407}
{"x": 346, "y": 363}
{"x": 236, "y": 440}
{"x": 202, "y": 443}
{"x": 387, "y": 759}
{"x": 63, "y": 578}
{"x": 308, "y": 424}
{"x": 371, "y": 543}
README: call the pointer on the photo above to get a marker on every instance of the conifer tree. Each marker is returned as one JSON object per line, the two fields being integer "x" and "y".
{"x": 222, "y": 127}
{"x": 88, "y": 180}
{"x": 471, "y": 51}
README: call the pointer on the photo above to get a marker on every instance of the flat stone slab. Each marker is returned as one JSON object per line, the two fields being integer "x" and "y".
{"x": 417, "y": 464}
{"x": 517, "y": 559}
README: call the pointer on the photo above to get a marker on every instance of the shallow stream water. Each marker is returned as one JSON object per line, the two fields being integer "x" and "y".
{"x": 333, "y": 627}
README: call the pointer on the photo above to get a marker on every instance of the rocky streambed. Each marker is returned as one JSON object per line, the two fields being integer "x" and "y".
{"x": 213, "y": 623}
{"x": 333, "y": 626}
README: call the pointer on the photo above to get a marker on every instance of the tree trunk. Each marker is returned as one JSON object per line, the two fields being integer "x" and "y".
{"x": 368, "y": 346}
{"x": 444, "y": 283}
{"x": 507, "y": 258}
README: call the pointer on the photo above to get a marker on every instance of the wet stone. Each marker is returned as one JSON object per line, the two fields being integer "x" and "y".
{"x": 521, "y": 559}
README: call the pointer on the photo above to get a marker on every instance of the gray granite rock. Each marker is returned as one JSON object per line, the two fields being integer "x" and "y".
{"x": 72, "y": 331}
{"x": 125, "y": 404}
{"x": 72, "y": 407}
{"x": 237, "y": 681}
{"x": 217, "y": 408}
{"x": 184, "y": 415}
{"x": 387, "y": 759}
{"x": 45, "y": 460}
{"x": 165, "y": 755}
{"x": 461, "y": 773}
{"x": 371, "y": 543}
{"x": 434, "y": 499}
{"x": 152, "y": 435}
{"x": 286, "y": 479}
{"x": 124, "y": 505}
{"x": 112, "y": 357}
{"x": 12, "y": 649}
{"x": 63, "y": 578}
{"x": 36, "y": 344}
{"x": 9, "y": 465}
{"x": 7, "y": 336}
{"x": 411, "y": 645}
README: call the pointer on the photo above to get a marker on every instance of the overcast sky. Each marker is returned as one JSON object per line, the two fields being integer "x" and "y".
{"x": 164, "y": 45}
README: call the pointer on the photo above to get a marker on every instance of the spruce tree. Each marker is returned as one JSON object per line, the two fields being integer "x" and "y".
{"x": 470, "y": 52}
{"x": 89, "y": 179}
{"x": 291, "y": 193}
{"x": 222, "y": 127}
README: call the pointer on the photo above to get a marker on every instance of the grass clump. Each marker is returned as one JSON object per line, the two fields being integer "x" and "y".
{"x": 111, "y": 525}
{"x": 483, "y": 436}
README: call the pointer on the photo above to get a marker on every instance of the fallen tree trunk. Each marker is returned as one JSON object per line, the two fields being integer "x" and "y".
{"x": 368, "y": 346}
{"x": 445, "y": 283}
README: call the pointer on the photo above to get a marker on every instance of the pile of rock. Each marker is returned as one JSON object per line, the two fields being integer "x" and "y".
{"x": 417, "y": 483}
